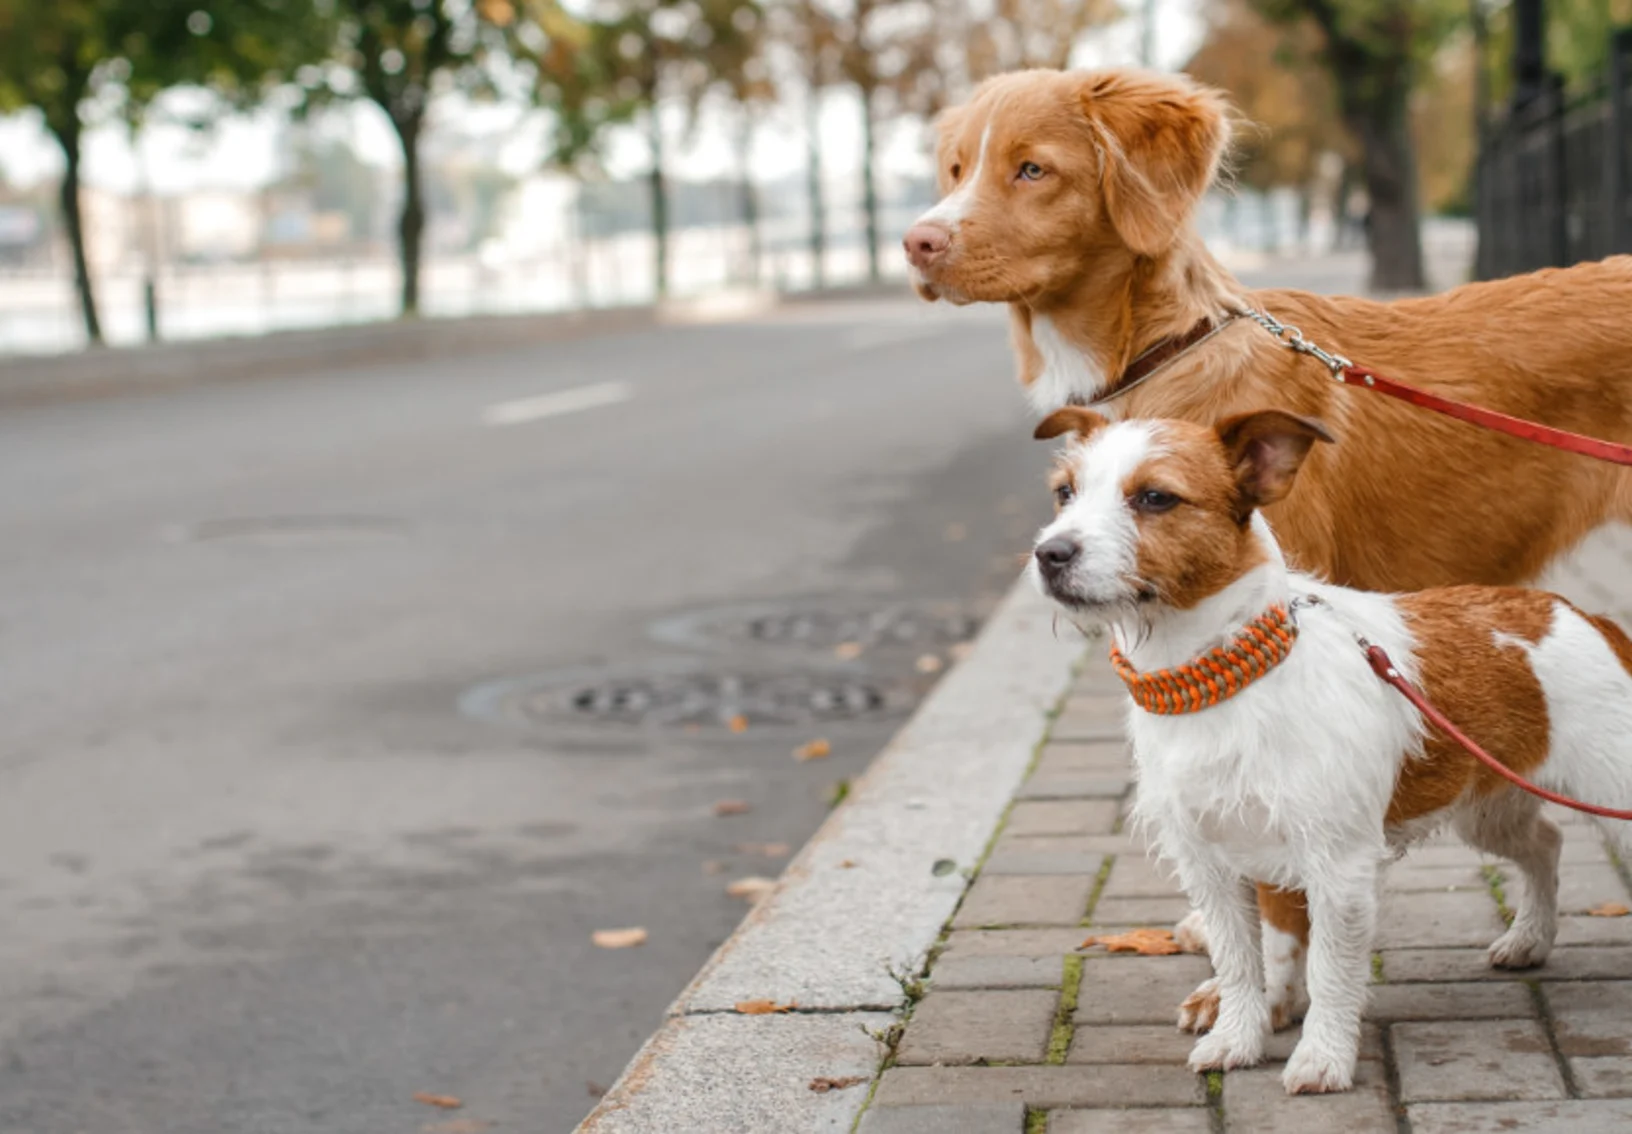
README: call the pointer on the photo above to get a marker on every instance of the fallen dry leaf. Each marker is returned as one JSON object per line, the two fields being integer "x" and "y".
{"x": 731, "y": 807}
{"x": 847, "y": 651}
{"x": 457, "y": 1126}
{"x": 822, "y": 1084}
{"x": 619, "y": 938}
{"x": 738, "y": 723}
{"x": 764, "y": 1007}
{"x": 929, "y": 663}
{"x": 1145, "y": 942}
{"x": 1609, "y": 909}
{"x": 817, "y": 749}
{"x": 753, "y": 887}
{"x": 764, "y": 850}
{"x": 448, "y": 1102}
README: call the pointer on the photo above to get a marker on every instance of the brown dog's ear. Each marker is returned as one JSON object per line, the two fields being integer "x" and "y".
{"x": 1160, "y": 141}
{"x": 1069, "y": 419}
{"x": 1265, "y": 449}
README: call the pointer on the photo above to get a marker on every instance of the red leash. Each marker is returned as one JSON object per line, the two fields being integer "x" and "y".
{"x": 1349, "y": 374}
{"x": 1384, "y": 668}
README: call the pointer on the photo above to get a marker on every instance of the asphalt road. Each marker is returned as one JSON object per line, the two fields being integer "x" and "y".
{"x": 337, "y": 712}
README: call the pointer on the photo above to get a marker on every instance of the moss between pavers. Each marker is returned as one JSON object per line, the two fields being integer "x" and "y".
{"x": 1036, "y": 1121}
{"x": 1493, "y": 881}
{"x": 1059, "y": 1040}
{"x": 1099, "y": 888}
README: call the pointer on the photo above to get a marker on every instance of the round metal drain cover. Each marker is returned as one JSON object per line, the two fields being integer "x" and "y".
{"x": 686, "y": 697}
{"x": 297, "y": 531}
{"x": 814, "y": 624}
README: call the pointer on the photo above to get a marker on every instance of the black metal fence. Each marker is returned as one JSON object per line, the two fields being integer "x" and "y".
{"x": 1553, "y": 184}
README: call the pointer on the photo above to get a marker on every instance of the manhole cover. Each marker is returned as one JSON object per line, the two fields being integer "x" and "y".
{"x": 681, "y": 695}
{"x": 296, "y": 531}
{"x": 814, "y": 624}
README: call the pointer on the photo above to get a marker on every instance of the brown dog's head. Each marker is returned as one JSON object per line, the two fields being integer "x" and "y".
{"x": 1045, "y": 173}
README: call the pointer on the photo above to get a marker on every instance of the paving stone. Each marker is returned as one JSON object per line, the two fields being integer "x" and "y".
{"x": 1140, "y": 911}
{"x": 1411, "y": 878}
{"x": 997, "y": 972}
{"x": 1131, "y": 1085}
{"x": 1483, "y": 1059}
{"x": 1594, "y": 931}
{"x": 1025, "y": 899}
{"x": 1591, "y": 1017}
{"x": 953, "y": 1027}
{"x": 1255, "y": 1102}
{"x": 1409, "y": 920}
{"x": 1123, "y": 989}
{"x": 1139, "y": 1043}
{"x": 1123, "y": 844}
{"x": 1584, "y": 886}
{"x": 974, "y": 1118}
{"x": 1603, "y": 1076}
{"x": 1043, "y": 862}
{"x": 1164, "y": 1120}
{"x": 1577, "y": 963}
{"x": 1489, "y": 1000}
{"x": 1074, "y": 785}
{"x": 1062, "y": 817}
{"x": 1057, "y": 942}
{"x": 1583, "y": 1116}
{"x": 1446, "y": 854}
{"x": 1101, "y": 719}
{"x": 1134, "y": 875}
{"x": 1078, "y": 758}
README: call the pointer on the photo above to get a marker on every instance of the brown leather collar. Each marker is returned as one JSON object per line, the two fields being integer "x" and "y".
{"x": 1159, "y": 355}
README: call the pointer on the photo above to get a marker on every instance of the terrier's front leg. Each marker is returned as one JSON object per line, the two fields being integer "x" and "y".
{"x": 1343, "y": 913}
{"x": 1226, "y": 903}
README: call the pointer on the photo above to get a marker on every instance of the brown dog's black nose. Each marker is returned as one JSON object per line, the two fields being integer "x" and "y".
{"x": 1055, "y": 553}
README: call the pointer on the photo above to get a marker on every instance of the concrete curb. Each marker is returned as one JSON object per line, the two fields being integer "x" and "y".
{"x": 870, "y": 893}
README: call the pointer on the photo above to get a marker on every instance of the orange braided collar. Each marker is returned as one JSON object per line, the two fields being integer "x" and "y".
{"x": 1217, "y": 675}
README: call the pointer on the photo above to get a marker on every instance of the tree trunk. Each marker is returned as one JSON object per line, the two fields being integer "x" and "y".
{"x": 660, "y": 206}
{"x": 813, "y": 172}
{"x": 1393, "y": 218}
{"x": 411, "y": 224}
{"x": 67, "y": 136}
{"x": 869, "y": 184}
{"x": 747, "y": 199}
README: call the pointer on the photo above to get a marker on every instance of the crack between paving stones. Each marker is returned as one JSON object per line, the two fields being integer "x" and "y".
{"x": 1549, "y": 1027}
{"x": 1391, "y": 1077}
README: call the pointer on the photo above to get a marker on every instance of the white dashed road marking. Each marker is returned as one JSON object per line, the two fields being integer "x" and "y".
{"x": 523, "y": 410}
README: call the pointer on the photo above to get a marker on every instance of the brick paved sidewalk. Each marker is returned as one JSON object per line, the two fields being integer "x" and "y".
{"x": 1018, "y": 1031}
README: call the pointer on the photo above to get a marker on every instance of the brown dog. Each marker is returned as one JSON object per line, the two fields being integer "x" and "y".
{"x": 1069, "y": 196}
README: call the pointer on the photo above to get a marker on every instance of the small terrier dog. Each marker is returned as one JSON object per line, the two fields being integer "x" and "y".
{"x": 1268, "y": 751}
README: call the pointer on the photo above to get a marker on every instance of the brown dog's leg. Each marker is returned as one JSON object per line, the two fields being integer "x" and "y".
{"x": 1284, "y": 915}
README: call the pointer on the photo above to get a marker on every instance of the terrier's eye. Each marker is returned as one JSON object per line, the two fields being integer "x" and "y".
{"x": 1030, "y": 171}
{"x": 1152, "y": 501}
{"x": 956, "y": 171}
{"x": 1063, "y": 494}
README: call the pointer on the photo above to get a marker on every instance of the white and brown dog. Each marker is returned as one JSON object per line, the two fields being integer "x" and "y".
{"x": 1267, "y": 749}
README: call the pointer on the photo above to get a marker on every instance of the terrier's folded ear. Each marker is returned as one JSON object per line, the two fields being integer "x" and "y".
{"x": 1069, "y": 419}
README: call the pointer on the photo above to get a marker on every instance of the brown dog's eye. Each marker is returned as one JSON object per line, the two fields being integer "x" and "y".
{"x": 1063, "y": 495}
{"x": 956, "y": 171}
{"x": 1030, "y": 171}
{"x": 1153, "y": 501}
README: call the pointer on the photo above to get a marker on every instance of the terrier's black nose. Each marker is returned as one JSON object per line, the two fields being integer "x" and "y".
{"x": 1055, "y": 553}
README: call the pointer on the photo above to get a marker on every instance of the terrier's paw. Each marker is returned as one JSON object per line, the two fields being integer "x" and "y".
{"x": 1219, "y": 1052}
{"x": 1284, "y": 1013}
{"x": 1199, "y": 1012}
{"x": 1190, "y": 934}
{"x": 1519, "y": 949}
{"x": 1314, "y": 1072}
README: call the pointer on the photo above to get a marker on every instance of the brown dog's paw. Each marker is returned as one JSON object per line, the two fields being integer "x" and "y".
{"x": 1199, "y": 1012}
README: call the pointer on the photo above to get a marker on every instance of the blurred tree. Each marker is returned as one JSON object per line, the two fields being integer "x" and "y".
{"x": 1375, "y": 52}
{"x": 397, "y": 54}
{"x": 59, "y": 58}
{"x": 1032, "y": 33}
{"x": 1578, "y": 38}
{"x": 620, "y": 62}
